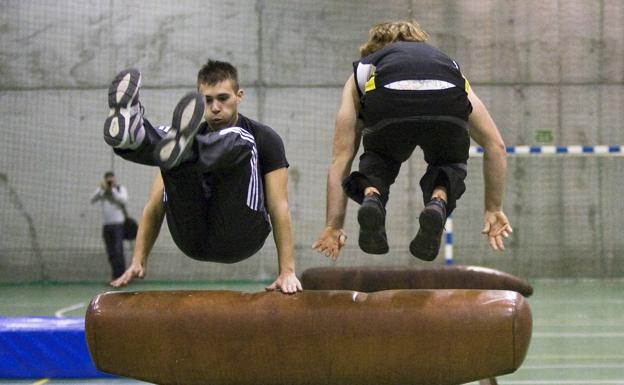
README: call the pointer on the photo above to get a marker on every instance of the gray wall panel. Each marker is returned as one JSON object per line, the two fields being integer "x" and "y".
{"x": 84, "y": 44}
{"x": 171, "y": 41}
{"x": 46, "y": 45}
{"x": 580, "y": 40}
{"x": 520, "y": 112}
{"x": 611, "y": 114}
{"x": 612, "y": 40}
{"x": 314, "y": 43}
{"x": 496, "y": 42}
{"x": 579, "y": 115}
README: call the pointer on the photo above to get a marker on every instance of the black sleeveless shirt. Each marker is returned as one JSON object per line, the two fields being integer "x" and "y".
{"x": 406, "y": 61}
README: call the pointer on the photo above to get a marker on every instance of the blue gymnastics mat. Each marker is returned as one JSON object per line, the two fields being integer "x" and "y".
{"x": 35, "y": 347}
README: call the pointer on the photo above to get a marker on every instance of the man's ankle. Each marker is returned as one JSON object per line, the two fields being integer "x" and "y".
{"x": 439, "y": 199}
{"x": 371, "y": 192}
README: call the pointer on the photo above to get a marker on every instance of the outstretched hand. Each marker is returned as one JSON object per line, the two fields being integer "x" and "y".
{"x": 330, "y": 242}
{"x": 287, "y": 282}
{"x": 496, "y": 227}
{"x": 133, "y": 271}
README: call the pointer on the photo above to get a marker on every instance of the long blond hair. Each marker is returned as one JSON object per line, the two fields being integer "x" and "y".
{"x": 385, "y": 33}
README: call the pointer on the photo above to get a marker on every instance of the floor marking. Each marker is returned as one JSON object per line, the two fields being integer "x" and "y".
{"x": 578, "y": 301}
{"x": 42, "y": 381}
{"x": 596, "y": 357}
{"x": 578, "y": 335}
{"x": 619, "y": 381}
{"x": 565, "y": 324}
{"x": 60, "y": 313}
{"x": 572, "y": 366}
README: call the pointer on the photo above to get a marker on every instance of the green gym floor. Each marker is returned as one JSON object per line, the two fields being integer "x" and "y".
{"x": 578, "y": 326}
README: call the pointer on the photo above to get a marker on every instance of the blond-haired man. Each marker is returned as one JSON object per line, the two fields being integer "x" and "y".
{"x": 405, "y": 93}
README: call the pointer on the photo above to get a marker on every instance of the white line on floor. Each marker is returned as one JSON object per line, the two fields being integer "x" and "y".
{"x": 573, "y": 366}
{"x": 565, "y": 382}
{"x": 60, "y": 313}
{"x": 603, "y": 301}
{"x": 578, "y": 335}
{"x": 577, "y": 357}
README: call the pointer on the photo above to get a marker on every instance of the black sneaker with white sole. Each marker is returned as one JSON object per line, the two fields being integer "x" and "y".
{"x": 123, "y": 127}
{"x": 173, "y": 149}
{"x": 372, "y": 219}
{"x": 426, "y": 244}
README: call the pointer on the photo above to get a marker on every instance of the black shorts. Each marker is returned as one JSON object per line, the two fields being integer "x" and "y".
{"x": 215, "y": 205}
{"x": 396, "y": 122}
{"x": 383, "y": 106}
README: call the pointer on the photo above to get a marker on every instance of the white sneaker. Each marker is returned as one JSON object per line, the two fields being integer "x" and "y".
{"x": 187, "y": 117}
{"x": 123, "y": 127}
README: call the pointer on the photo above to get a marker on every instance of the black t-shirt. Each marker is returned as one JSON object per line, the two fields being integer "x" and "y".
{"x": 271, "y": 153}
{"x": 223, "y": 227}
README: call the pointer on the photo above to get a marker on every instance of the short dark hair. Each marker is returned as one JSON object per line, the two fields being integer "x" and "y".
{"x": 215, "y": 71}
{"x": 108, "y": 174}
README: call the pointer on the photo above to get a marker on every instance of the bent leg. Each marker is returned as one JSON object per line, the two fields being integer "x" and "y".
{"x": 125, "y": 129}
{"x": 375, "y": 170}
{"x": 446, "y": 150}
{"x": 239, "y": 218}
{"x": 144, "y": 154}
{"x": 186, "y": 207}
{"x": 384, "y": 151}
{"x": 215, "y": 202}
{"x": 225, "y": 149}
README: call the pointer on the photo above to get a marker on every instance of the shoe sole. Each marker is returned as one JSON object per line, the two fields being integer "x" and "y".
{"x": 431, "y": 227}
{"x": 371, "y": 239}
{"x": 121, "y": 93}
{"x": 187, "y": 117}
{"x": 431, "y": 221}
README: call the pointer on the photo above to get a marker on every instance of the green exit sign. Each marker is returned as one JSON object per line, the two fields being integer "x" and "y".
{"x": 544, "y": 136}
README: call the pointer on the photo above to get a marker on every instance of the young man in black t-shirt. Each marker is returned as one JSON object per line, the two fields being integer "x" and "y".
{"x": 223, "y": 177}
{"x": 405, "y": 93}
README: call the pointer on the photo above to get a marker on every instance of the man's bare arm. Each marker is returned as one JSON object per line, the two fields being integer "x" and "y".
{"x": 484, "y": 131}
{"x": 345, "y": 145}
{"x": 276, "y": 187}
